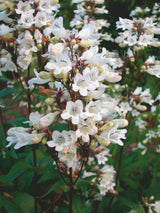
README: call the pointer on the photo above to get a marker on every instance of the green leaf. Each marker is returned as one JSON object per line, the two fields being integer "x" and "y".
{"x": 86, "y": 209}
{"x": 10, "y": 206}
{"x": 17, "y": 170}
{"x": 25, "y": 202}
{"x": 7, "y": 91}
{"x": 60, "y": 127}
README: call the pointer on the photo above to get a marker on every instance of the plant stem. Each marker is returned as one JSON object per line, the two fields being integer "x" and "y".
{"x": 3, "y": 123}
{"x": 70, "y": 192}
{"x": 33, "y": 146}
{"x": 117, "y": 176}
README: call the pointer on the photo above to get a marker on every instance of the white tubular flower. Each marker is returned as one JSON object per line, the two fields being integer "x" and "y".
{"x": 71, "y": 136}
{"x": 46, "y": 120}
{"x": 93, "y": 77}
{"x": 80, "y": 84}
{"x": 145, "y": 40}
{"x": 107, "y": 179}
{"x": 120, "y": 123}
{"x": 27, "y": 36}
{"x": 21, "y": 137}
{"x": 37, "y": 80}
{"x": 125, "y": 107}
{"x": 89, "y": 53}
{"x": 27, "y": 19}
{"x": 69, "y": 155}
{"x": 98, "y": 59}
{"x": 156, "y": 206}
{"x": 23, "y": 7}
{"x": 58, "y": 141}
{"x": 154, "y": 70}
{"x": 73, "y": 111}
{"x": 125, "y": 24}
{"x": 114, "y": 135}
{"x": 24, "y": 60}
{"x": 62, "y": 64}
{"x": 101, "y": 157}
{"x": 53, "y": 49}
{"x": 6, "y": 63}
{"x": 27, "y": 47}
{"x": 39, "y": 121}
{"x": 38, "y": 36}
{"x": 41, "y": 19}
{"x": 86, "y": 128}
{"x": 87, "y": 33}
{"x": 58, "y": 29}
{"x": 4, "y": 29}
{"x": 48, "y": 6}
{"x": 93, "y": 110}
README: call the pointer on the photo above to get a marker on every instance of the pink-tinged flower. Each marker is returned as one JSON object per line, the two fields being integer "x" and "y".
{"x": 39, "y": 121}
{"x": 73, "y": 111}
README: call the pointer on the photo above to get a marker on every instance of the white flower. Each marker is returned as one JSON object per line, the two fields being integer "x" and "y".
{"x": 58, "y": 140}
{"x": 80, "y": 84}
{"x": 41, "y": 19}
{"x": 93, "y": 110}
{"x": 86, "y": 128}
{"x": 151, "y": 134}
{"x": 39, "y": 121}
{"x": 37, "y": 80}
{"x": 73, "y": 111}
{"x": 125, "y": 107}
{"x": 145, "y": 40}
{"x": 87, "y": 33}
{"x": 23, "y": 61}
{"x": 114, "y": 135}
{"x": 27, "y": 19}
{"x": 23, "y": 7}
{"x": 62, "y": 64}
{"x": 4, "y": 29}
{"x": 21, "y": 137}
{"x": 156, "y": 206}
{"x": 125, "y": 24}
{"x": 27, "y": 47}
{"x": 58, "y": 29}
{"x": 69, "y": 156}
{"x": 154, "y": 70}
{"x": 107, "y": 179}
{"x": 38, "y": 36}
{"x": 101, "y": 157}
{"x": 53, "y": 49}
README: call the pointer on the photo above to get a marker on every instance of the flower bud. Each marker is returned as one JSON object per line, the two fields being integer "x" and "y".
{"x": 49, "y": 101}
{"x": 39, "y": 46}
{"x": 44, "y": 141}
{"x": 44, "y": 75}
{"x": 140, "y": 107}
{"x": 85, "y": 43}
{"x": 54, "y": 2}
{"x": 103, "y": 141}
{"x": 73, "y": 41}
{"x": 37, "y": 138}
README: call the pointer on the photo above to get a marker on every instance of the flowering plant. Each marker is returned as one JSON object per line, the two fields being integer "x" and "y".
{"x": 77, "y": 100}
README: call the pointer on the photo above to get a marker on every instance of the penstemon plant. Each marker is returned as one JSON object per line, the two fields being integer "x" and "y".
{"x": 79, "y": 103}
